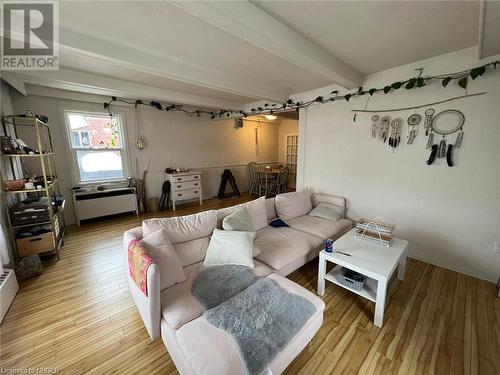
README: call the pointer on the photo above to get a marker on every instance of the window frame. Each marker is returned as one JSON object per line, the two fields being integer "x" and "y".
{"x": 73, "y": 150}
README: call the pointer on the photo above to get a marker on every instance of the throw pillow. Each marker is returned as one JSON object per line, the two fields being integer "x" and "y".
{"x": 239, "y": 220}
{"x": 278, "y": 223}
{"x": 292, "y": 205}
{"x": 230, "y": 247}
{"x": 159, "y": 247}
{"x": 328, "y": 211}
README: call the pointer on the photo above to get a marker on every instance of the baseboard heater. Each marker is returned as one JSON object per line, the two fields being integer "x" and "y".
{"x": 94, "y": 204}
{"x": 8, "y": 290}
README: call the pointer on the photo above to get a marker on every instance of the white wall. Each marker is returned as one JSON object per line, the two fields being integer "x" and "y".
{"x": 451, "y": 216}
{"x": 172, "y": 140}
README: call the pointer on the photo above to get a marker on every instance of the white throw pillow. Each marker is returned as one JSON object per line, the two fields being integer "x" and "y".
{"x": 292, "y": 205}
{"x": 183, "y": 228}
{"x": 230, "y": 247}
{"x": 328, "y": 211}
{"x": 239, "y": 220}
{"x": 159, "y": 247}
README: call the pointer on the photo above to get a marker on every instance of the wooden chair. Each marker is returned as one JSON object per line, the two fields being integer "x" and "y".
{"x": 280, "y": 185}
{"x": 254, "y": 180}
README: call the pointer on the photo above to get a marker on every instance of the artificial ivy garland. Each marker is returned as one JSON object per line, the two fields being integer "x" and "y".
{"x": 462, "y": 79}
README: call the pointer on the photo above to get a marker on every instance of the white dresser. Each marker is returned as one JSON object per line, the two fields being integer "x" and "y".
{"x": 184, "y": 186}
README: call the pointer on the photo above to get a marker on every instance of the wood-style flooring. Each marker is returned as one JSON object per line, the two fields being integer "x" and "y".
{"x": 78, "y": 317}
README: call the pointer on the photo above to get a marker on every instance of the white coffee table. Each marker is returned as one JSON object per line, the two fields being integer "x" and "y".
{"x": 376, "y": 261}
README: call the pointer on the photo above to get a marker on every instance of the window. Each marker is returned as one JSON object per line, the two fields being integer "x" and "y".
{"x": 96, "y": 142}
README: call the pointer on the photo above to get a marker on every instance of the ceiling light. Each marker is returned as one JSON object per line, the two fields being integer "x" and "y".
{"x": 271, "y": 117}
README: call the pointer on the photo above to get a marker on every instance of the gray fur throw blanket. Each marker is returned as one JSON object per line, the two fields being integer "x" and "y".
{"x": 261, "y": 316}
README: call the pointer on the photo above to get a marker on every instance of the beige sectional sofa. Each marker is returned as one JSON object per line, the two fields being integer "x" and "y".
{"x": 196, "y": 346}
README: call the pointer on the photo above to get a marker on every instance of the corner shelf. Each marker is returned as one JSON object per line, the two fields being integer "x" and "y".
{"x": 55, "y": 217}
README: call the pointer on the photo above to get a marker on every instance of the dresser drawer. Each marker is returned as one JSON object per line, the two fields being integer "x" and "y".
{"x": 185, "y": 185}
{"x": 187, "y": 194}
{"x": 193, "y": 177}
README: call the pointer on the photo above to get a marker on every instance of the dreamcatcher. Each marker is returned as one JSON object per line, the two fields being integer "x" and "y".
{"x": 395, "y": 136}
{"x": 383, "y": 128}
{"x": 375, "y": 119}
{"x": 413, "y": 121}
{"x": 444, "y": 123}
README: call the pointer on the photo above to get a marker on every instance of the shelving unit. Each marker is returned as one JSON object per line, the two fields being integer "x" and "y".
{"x": 48, "y": 243}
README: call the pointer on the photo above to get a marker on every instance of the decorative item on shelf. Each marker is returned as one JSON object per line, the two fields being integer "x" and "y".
{"x": 23, "y": 148}
{"x": 7, "y": 145}
{"x": 13, "y": 185}
{"x": 375, "y": 230}
{"x": 383, "y": 128}
{"x": 375, "y": 119}
{"x": 395, "y": 136}
{"x": 445, "y": 123}
{"x": 413, "y": 122}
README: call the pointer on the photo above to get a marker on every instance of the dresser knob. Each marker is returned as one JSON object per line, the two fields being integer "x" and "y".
{"x": 179, "y": 186}
{"x": 179, "y": 179}
{"x": 195, "y": 184}
{"x": 196, "y": 192}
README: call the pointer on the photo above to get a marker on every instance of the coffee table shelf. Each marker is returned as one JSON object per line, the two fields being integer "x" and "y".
{"x": 369, "y": 290}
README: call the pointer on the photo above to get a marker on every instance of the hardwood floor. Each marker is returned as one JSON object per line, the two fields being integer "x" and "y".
{"x": 78, "y": 317}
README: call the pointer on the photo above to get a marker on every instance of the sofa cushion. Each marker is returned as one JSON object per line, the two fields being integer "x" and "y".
{"x": 323, "y": 228}
{"x": 191, "y": 252}
{"x": 327, "y": 210}
{"x": 159, "y": 247}
{"x": 212, "y": 350}
{"x": 256, "y": 210}
{"x": 270, "y": 209}
{"x": 333, "y": 199}
{"x": 183, "y": 228}
{"x": 178, "y": 304}
{"x": 292, "y": 205}
{"x": 238, "y": 220}
{"x": 283, "y": 246}
{"x": 230, "y": 247}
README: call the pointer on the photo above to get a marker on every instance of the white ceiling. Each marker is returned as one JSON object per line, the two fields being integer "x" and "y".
{"x": 372, "y": 36}
{"x": 231, "y": 53}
